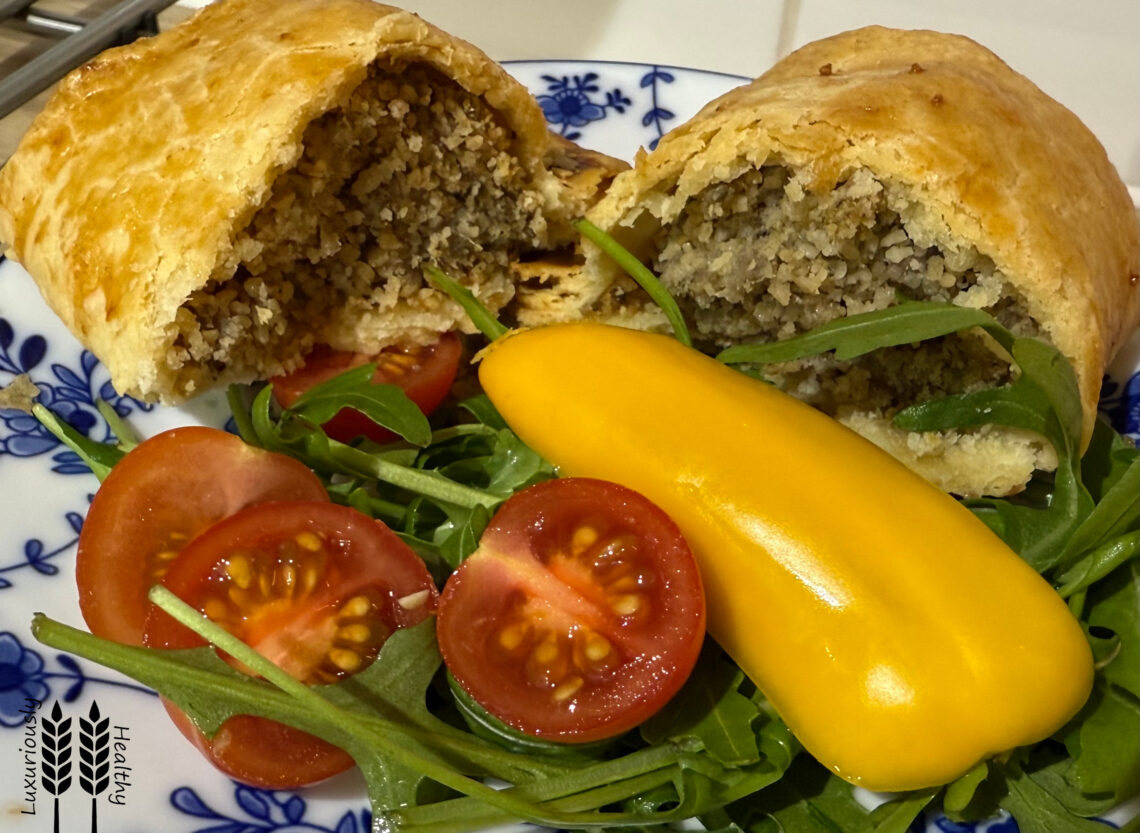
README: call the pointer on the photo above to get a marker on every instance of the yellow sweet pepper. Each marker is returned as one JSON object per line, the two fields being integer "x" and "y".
{"x": 896, "y": 635}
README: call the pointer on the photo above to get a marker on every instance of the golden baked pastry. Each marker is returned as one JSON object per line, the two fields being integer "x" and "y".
{"x": 202, "y": 206}
{"x": 882, "y": 164}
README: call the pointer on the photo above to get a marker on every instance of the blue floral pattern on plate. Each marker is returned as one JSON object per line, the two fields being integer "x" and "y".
{"x": 71, "y": 392}
{"x": 568, "y": 102}
{"x": 24, "y": 676}
{"x": 613, "y": 107}
{"x": 259, "y": 811}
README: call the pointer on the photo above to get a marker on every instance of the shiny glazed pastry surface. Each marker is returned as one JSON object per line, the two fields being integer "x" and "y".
{"x": 879, "y": 164}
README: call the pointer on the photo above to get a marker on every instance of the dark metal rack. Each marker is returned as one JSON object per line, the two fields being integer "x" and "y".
{"x": 78, "y": 41}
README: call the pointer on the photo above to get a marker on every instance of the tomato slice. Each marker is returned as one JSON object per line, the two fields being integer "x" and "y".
{"x": 425, "y": 373}
{"x": 155, "y": 500}
{"x": 580, "y": 614}
{"x": 315, "y": 587}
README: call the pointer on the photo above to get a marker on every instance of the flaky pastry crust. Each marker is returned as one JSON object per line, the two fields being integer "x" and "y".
{"x": 127, "y": 193}
{"x": 989, "y": 160}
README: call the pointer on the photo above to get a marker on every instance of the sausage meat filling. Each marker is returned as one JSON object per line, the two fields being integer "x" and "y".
{"x": 412, "y": 169}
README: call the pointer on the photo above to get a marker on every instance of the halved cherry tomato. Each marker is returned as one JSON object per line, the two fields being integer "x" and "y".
{"x": 315, "y": 587}
{"x": 425, "y": 373}
{"x": 155, "y": 500}
{"x": 580, "y": 614}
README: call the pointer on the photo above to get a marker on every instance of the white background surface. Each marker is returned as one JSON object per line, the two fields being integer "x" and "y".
{"x": 1085, "y": 54}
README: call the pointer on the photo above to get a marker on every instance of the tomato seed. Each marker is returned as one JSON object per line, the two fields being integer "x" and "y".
{"x": 584, "y": 537}
{"x": 308, "y": 541}
{"x": 240, "y": 571}
{"x": 356, "y": 607}
{"x": 567, "y": 689}
{"x": 355, "y": 633}
{"x": 168, "y": 555}
{"x": 401, "y": 360}
{"x": 626, "y": 604}
{"x": 626, "y": 582}
{"x": 547, "y": 665}
{"x": 597, "y": 647}
{"x": 512, "y": 636}
{"x": 309, "y": 578}
{"x": 613, "y": 554}
{"x": 345, "y": 660}
{"x": 546, "y": 652}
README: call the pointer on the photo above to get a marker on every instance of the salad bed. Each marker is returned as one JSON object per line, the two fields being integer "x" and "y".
{"x": 717, "y": 751}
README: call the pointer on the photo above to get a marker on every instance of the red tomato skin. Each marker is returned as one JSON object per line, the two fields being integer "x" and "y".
{"x": 243, "y": 744}
{"x": 181, "y": 480}
{"x": 427, "y": 387}
{"x": 481, "y": 595}
{"x": 255, "y": 750}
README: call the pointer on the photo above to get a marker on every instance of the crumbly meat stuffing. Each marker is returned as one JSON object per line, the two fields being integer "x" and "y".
{"x": 761, "y": 259}
{"x": 412, "y": 169}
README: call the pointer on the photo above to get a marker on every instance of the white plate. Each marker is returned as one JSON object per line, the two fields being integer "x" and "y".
{"x": 159, "y": 783}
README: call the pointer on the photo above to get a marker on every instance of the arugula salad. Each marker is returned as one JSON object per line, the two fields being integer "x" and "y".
{"x": 715, "y": 750}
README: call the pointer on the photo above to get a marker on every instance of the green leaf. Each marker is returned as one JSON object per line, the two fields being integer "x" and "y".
{"x": 1108, "y": 763}
{"x": 905, "y": 323}
{"x": 386, "y": 405}
{"x": 99, "y": 457}
{"x": 483, "y": 319}
{"x": 809, "y": 799}
{"x": 897, "y": 816}
{"x": 439, "y": 498}
{"x": 1113, "y": 604}
{"x": 299, "y": 438}
{"x": 1116, "y": 512}
{"x": 711, "y": 708}
{"x": 1036, "y": 810}
{"x": 1107, "y": 458}
{"x": 1053, "y": 770}
{"x": 127, "y": 437}
{"x": 240, "y": 400}
{"x": 1098, "y": 563}
{"x": 481, "y": 407}
{"x": 513, "y": 465}
{"x": 384, "y": 749}
{"x": 395, "y": 688}
{"x": 1020, "y": 405}
{"x": 1044, "y": 365}
{"x": 459, "y": 536}
{"x": 960, "y": 793}
{"x": 1044, "y": 399}
{"x": 485, "y": 725}
{"x": 380, "y": 718}
{"x": 641, "y": 274}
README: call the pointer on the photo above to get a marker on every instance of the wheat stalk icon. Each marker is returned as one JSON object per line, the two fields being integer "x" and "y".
{"x": 94, "y": 754}
{"x": 55, "y": 766}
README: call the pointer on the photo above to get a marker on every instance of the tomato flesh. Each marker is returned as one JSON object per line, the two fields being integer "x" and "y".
{"x": 316, "y": 588}
{"x": 426, "y": 374}
{"x": 580, "y": 614}
{"x": 155, "y": 501}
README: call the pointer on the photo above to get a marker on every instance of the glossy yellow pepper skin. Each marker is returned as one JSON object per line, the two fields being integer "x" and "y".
{"x": 900, "y": 639}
